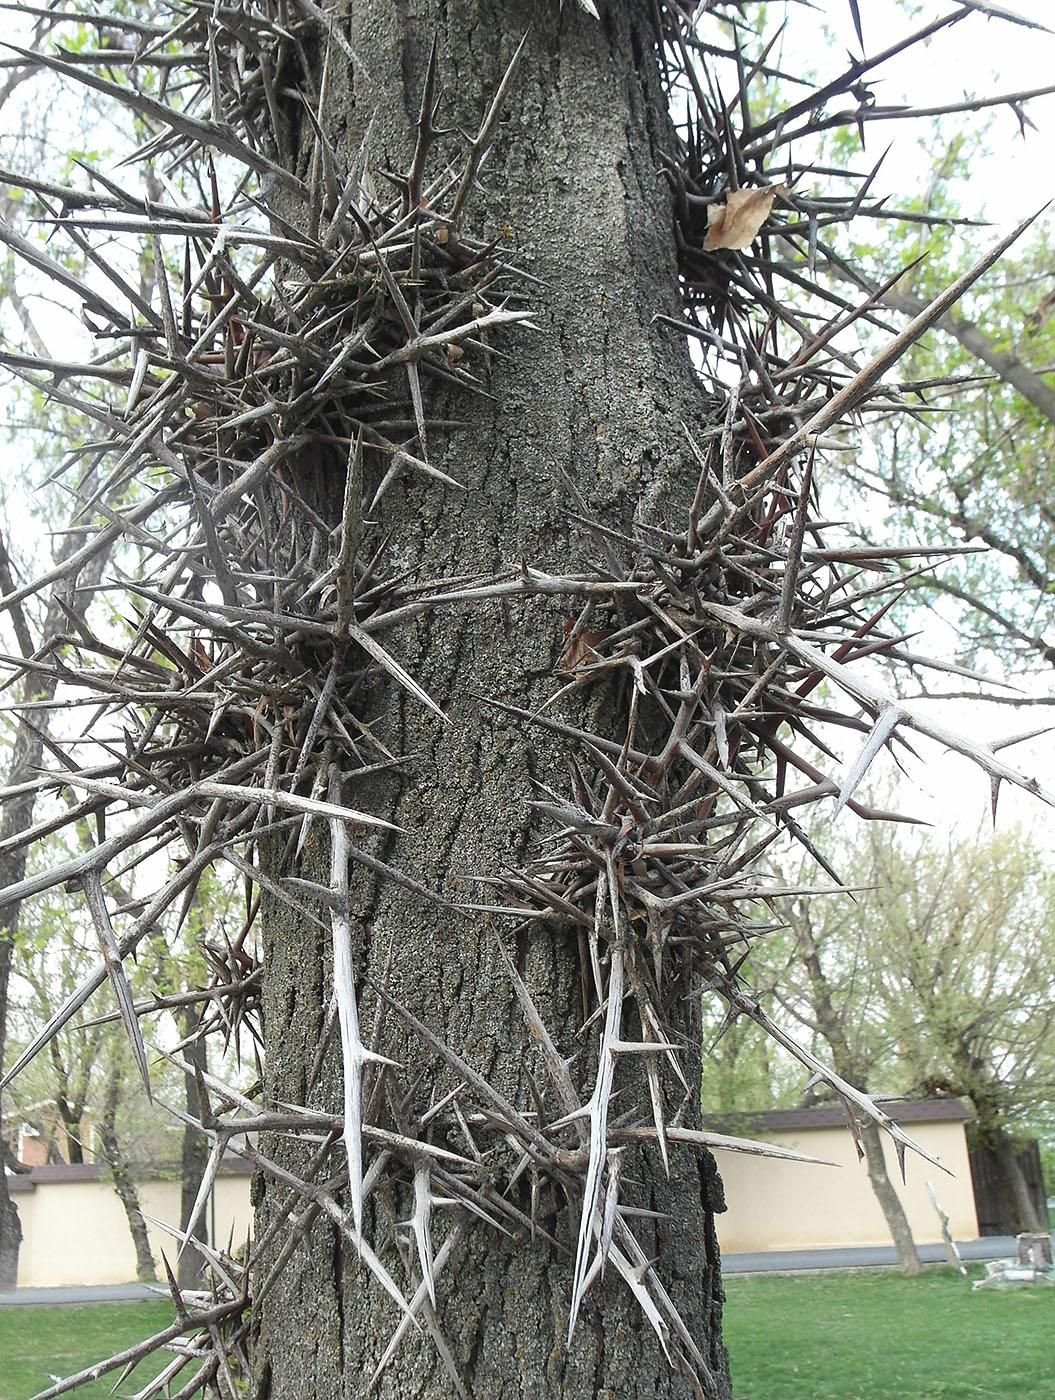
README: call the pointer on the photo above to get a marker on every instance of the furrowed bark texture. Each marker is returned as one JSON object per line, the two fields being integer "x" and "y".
{"x": 573, "y": 187}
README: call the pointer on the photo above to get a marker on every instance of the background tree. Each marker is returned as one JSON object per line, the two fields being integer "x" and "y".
{"x": 964, "y": 936}
{"x": 41, "y": 430}
{"x": 830, "y": 986}
{"x": 968, "y": 464}
{"x": 935, "y": 979}
{"x": 77, "y": 1094}
{"x": 971, "y": 463}
{"x": 113, "y": 1153}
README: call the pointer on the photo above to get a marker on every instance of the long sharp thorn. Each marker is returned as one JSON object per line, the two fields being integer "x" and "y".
{"x": 598, "y": 1109}
{"x": 420, "y": 1226}
{"x": 96, "y": 900}
{"x": 352, "y": 1049}
{"x": 880, "y": 734}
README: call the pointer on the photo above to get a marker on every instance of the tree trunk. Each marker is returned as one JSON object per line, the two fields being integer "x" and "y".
{"x": 26, "y": 756}
{"x": 70, "y": 1114}
{"x": 123, "y": 1183}
{"x": 988, "y": 1100}
{"x": 832, "y": 1026}
{"x": 10, "y": 1238}
{"x": 597, "y": 395}
{"x": 194, "y": 1157}
{"x": 10, "y": 1226}
{"x": 889, "y": 1200}
{"x": 1016, "y": 1189}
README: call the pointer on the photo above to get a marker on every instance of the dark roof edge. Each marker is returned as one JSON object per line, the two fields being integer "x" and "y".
{"x": 91, "y": 1171}
{"x": 782, "y": 1120}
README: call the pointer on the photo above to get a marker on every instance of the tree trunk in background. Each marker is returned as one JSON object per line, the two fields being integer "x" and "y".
{"x": 988, "y": 1131}
{"x": 599, "y": 393}
{"x": 830, "y": 1024}
{"x": 1019, "y": 1197}
{"x": 10, "y": 1226}
{"x": 10, "y": 1239}
{"x": 26, "y": 757}
{"x": 889, "y": 1200}
{"x": 123, "y": 1183}
{"x": 17, "y": 815}
{"x": 70, "y": 1108}
{"x": 194, "y": 1156}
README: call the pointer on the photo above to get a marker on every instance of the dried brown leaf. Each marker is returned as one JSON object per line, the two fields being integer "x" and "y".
{"x": 737, "y": 222}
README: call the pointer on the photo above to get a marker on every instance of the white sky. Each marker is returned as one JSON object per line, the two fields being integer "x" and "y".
{"x": 976, "y": 57}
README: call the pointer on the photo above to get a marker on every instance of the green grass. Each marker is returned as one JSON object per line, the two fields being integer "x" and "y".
{"x": 868, "y": 1335}
{"x": 873, "y": 1335}
{"x": 37, "y": 1343}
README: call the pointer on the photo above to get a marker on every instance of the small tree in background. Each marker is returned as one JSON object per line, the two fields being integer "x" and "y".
{"x": 969, "y": 995}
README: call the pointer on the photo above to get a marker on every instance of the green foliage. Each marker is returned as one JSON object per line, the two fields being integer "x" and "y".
{"x": 965, "y": 936}
{"x": 55, "y": 949}
{"x": 938, "y": 972}
{"x": 974, "y": 464}
{"x": 744, "y": 1070}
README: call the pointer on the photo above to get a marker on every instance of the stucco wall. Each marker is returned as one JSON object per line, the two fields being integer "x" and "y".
{"x": 75, "y": 1231}
{"x": 789, "y": 1205}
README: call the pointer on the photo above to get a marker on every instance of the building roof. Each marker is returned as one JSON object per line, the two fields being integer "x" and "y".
{"x": 91, "y": 1171}
{"x": 784, "y": 1120}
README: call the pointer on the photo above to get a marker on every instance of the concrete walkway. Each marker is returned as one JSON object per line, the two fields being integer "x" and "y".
{"x": 86, "y": 1293}
{"x": 790, "y": 1261}
{"x": 795, "y": 1261}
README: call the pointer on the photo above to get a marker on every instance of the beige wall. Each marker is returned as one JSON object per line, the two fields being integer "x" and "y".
{"x": 790, "y": 1205}
{"x": 77, "y": 1232}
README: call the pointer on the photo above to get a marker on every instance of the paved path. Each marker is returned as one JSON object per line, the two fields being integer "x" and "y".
{"x": 774, "y": 1261}
{"x": 800, "y": 1260}
{"x": 83, "y": 1293}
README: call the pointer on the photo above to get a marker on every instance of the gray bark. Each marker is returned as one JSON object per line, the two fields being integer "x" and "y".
{"x": 889, "y": 1200}
{"x": 601, "y": 394}
{"x": 832, "y": 1026}
{"x": 194, "y": 1157}
{"x": 124, "y": 1184}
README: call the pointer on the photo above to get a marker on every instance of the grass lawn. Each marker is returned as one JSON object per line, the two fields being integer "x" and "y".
{"x": 867, "y": 1335}
{"x": 873, "y": 1335}
{"x": 37, "y": 1343}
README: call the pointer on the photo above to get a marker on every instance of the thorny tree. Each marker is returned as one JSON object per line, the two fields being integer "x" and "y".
{"x": 475, "y": 634}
